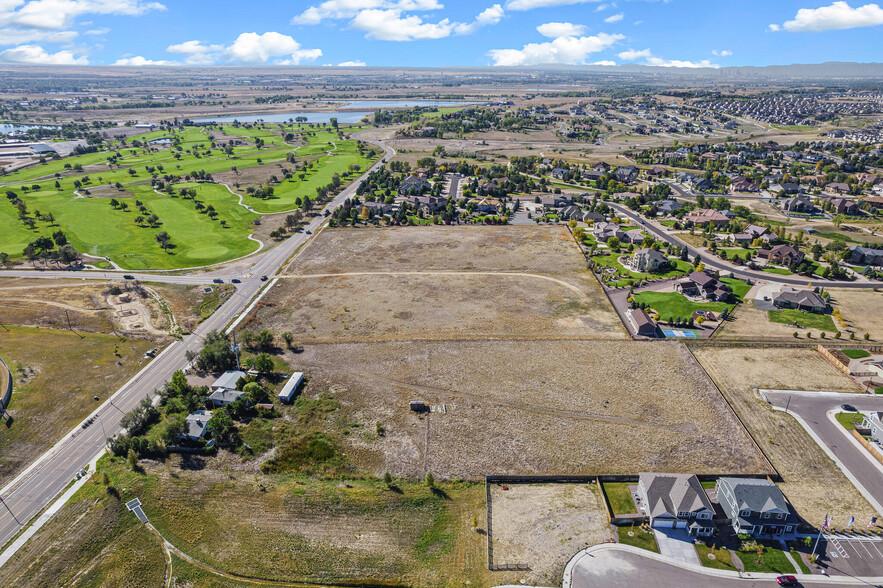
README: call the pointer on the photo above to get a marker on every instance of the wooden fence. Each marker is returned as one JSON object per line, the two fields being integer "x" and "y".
{"x": 6, "y": 397}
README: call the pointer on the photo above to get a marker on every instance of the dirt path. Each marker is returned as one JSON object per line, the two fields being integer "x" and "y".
{"x": 58, "y": 304}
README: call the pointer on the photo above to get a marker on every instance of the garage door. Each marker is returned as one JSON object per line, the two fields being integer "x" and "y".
{"x": 663, "y": 523}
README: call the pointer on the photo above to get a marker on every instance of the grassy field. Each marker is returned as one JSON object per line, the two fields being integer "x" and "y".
{"x": 849, "y": 420}
{"x": 95, "y": 228}
{"x": 620, "y": 498}
{"x": 807, "y": 320}
{"x": 811, "y": 481}
{"x": 637, "y": 537}
{"x": 55, "y": 376}
{"x": 671, "y": 305}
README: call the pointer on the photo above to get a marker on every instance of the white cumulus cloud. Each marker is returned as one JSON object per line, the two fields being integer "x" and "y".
{"x": 254, "y": 48}
{"x": 34, "y": 54}
{"x": 652, "y": 60}
{"x": 605, "y": 62}
{"x": 487, "y": 17}
{"x": 837, "y": 16}
{"x": 615, "y": 17}
{"x": 61, "y": 14}
{"x": 553, "y": 30}
{"x": 138, "y": 61}
{"x": 196, "y": 52}
{"x": 357, "y": 63}
{"x": 563, "y": 50}
{"x": 390, "y": 25}
{"x": 340, "y": 9}
{"x": 531, "y": 4}
{"x": 12, "y": 36}
{"x": 722, "y": 53}
{"x": 631, "y": 54}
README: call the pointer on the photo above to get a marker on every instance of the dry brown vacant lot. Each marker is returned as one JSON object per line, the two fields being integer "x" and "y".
{"x": 530, "y": 407}
{"x": 544, "y": 525}
{"x": 862, "y": 310}
{"x": 548, "y": 250}
{"x": 812, "y": 482}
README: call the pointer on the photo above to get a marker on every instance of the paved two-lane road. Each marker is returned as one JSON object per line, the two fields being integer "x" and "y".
{"x": 47, "y": 477}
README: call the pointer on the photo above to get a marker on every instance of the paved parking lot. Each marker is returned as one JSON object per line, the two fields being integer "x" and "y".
{"x": 852, "y": 556}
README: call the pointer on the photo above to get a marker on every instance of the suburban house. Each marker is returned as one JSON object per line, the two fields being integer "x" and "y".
{"x": 756, "y": 507}
{"x": 865, "y": 255}
{"x": 626, "y": 174}
{"x": 378, "y": 207}
{"x": 491, "y": 205}
{"x": 634, "y": 236}
{"x": 558, "y": 173}
{"x": 707, "y": 216}
{"x": 604, "y": 231}
{"x": 844, "y": 206}
{"x": 641, "y": 322}
{"x": 228, "y": 380}
{"x": 575, "y": 212}
{"x": 592, "y": 175}
{"x": 197, "y": 425}
{"x": 223, "y": 397}
{"x": 782, "y": 254}
{"x": 756, "y": 232}
{"x": 668, "y": 207}
{"x": 676, "y": 501}
{"x": 648, "y": 260}
{"x": 805, "y": 300}
{"x": 428, "y": 203}
{"x": 799, "y": 204}
{"x": 744, "y": 186}
{"x": 873, "y": 421}
{"x": 704, "y": 285}
{"x": 414, "y": 185}
{"x": 290, "y": 388}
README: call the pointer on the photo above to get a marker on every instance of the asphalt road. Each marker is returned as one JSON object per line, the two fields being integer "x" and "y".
{"x": 615, "y": 569}
{"x": 47, "y": 477}
{"x": 726, "y": 267}
{"x": 813, "y": 407}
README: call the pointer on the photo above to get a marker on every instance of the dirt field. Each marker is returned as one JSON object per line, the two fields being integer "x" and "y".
{"x": 862, "y": 310}
{"x": 437, "y": 306}
{"x": 812, "y": 482}
{"x": 751, "y": 323}
{"x": 783, "y": 369}
{"x": 529, "y": 407}
{"x": 190, "y": 305}
{"x": 544, "y": 525}
{"x": 549, "y": 250}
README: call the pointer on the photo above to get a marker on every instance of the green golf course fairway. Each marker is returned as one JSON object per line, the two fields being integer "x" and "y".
{"x": 94, "y": 227}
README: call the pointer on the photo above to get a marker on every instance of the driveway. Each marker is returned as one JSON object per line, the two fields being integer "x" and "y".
{"x": 677, "y": 545}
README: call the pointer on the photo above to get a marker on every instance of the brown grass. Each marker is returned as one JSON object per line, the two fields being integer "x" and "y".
{"x": 812, "y": 482}
{"x": 544, "y": 525}
{"x": 862, "y": 310}
{"x": 529, "y": 407}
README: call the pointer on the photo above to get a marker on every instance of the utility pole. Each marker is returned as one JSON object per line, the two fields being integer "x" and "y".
{"x": 236, "y": 349}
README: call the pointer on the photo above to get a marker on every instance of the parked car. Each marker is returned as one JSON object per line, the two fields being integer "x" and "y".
{"x": 218, "y": 281}
{"x": 128, "y": 277}
{"x": 235, "y": 281}
{"x": 848, "y": 407}
{"x": 787, "y": 581}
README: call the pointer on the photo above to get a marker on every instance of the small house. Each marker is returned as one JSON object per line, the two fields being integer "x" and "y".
{"x": 196, "y": 425}
{"x": 228, "y": 380}
{"x": 676, "y": 501}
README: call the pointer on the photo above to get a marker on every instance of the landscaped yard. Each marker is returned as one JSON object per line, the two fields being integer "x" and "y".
{"x": 612, "y": 260}
{"x": 637, "y": 537}
{"x": 796, "y": 556}
{"x": 856, "y": 353}
{"x": 671, "y": 305}
{"x": 807, "y": 320}
{"x": 849, "y": 420}
{"x": 773, "y": 561}
{"x": 722, "y": 559}
{"x": 620, "y": 498}
{"x": 777, "y": 270}
{"x": 740, "y": 288}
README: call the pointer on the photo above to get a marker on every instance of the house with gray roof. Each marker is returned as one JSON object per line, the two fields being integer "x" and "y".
{"x": 865, "y": 255}
{"x": 676, "y": 501}
{"x": 756, "y": 507}
{"x": 197, "y": 425}
{"x": 228, "y": 380}
{"x": 648, "y": 260}
{"x": 604, "y": 231}
{"x": 223, "y": 397}
{"x": 805, "y": 300}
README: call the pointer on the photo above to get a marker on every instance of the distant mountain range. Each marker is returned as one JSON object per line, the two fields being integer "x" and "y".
{"x": 828, "y": 71}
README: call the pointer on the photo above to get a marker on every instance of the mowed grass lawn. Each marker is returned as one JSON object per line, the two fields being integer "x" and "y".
{"x": 773, "y": 561}
{"x": 722, "y": 559}
{"x": 620, "y": 498}
{"x": 807, "y": 320}
{"x": 638, "y": 538}
{"x": 94, "y": 228}
{"x": 671, "y": 305}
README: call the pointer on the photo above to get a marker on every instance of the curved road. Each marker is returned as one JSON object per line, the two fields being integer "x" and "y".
{"x": 47, "y": 477}
{"x": 723, "y": 266}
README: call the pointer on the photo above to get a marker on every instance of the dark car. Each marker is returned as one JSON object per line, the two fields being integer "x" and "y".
{"x": 128, "y": 277}
{"x": 264, "y": 278}
{"x": 848, "y": 407}
{"x": 309, "y": 232}
{"x": 235, "y": 280}
{"x": 787, "y": 581}
{"x": 218, "y": 281}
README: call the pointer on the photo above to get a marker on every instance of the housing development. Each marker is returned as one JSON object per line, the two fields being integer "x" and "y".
{"x": 565, "y": 326}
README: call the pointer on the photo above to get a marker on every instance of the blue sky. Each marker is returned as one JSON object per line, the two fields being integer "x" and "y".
{"x": 420, "y": 33}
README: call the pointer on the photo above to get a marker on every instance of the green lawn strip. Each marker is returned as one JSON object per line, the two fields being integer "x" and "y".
{"x": 878, "y": 390}
{"x": 709, "y": 484}
{"x": 773, "y": 561}
{"x": 777, "y": 270}
{"x": 671, "y": 305}
{"x": 722, "y": 557}
{"x": 807, "y": 320}
{"x": 740, "y": 288}
{"x": 639, "y": 538}
{"x": 620, "y": 498}
{"x": 849, "y": 420}
{"x": 612, "y": 260}
{"x": 796, "y": 555}
{"x": 856, "y": 353}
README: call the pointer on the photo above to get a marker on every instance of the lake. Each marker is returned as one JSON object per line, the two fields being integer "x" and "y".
{"x": 6, "y": 128}
{"x": 353, "y": 111}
